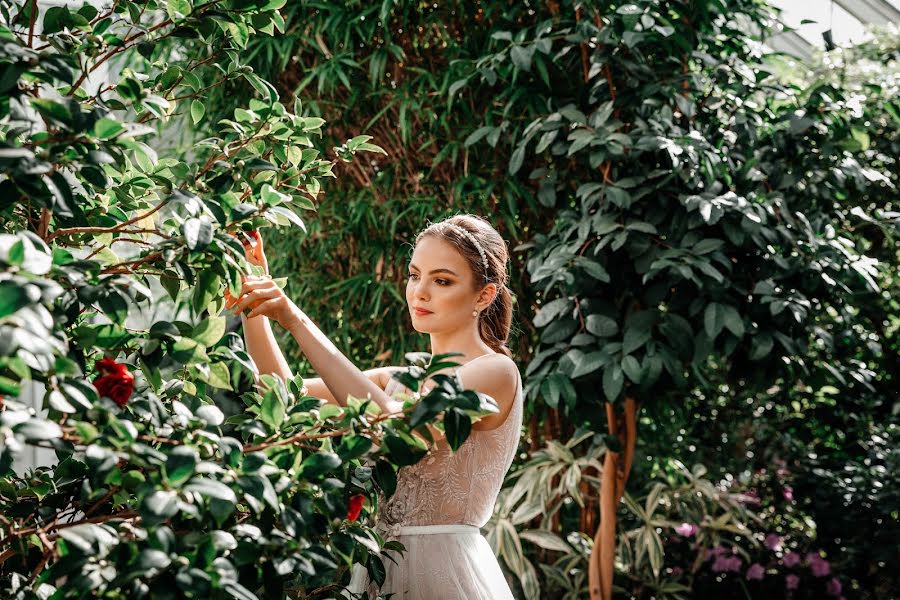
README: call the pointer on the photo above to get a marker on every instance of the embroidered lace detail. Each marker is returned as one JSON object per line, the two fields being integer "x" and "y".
{"x": 453, "y": 488}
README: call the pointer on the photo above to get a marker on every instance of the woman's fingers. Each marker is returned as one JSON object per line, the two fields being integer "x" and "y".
{"x": 248, "y": 283}
{"x": 255, "y": 295}
{"x": 264, "y": 306}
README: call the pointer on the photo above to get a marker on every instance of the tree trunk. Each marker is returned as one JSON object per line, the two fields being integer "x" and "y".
{"x": 616, "y": 466}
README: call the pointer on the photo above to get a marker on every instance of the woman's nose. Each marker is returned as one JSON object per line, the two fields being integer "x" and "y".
{"x": 421, "y": 290}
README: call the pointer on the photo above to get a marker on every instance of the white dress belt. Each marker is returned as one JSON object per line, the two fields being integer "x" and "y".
{"x": 435, "y": 529}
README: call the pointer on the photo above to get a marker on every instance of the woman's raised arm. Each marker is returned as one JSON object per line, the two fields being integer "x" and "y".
{"x": 341, "y": 377}
{"x": 263, "y": 349}
{"x": 258, "y": 336}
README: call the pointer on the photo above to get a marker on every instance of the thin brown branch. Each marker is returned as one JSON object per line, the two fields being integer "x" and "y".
{"x": 44, "y": 224}
{"x": 32, "y": 20}
{"x": 114, "y": 228}
{"x": 14, "y": 535}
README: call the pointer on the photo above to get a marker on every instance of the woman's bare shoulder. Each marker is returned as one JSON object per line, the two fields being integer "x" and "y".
{"x": 498, "y": 377}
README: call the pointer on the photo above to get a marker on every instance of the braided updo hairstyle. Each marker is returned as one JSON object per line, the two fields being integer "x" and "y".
{"x": 495, "y": 321}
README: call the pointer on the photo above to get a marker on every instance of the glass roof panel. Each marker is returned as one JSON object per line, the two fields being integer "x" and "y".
{"x": 824, "y": 15}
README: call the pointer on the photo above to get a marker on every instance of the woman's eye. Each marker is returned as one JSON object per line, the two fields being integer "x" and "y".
{"x": 413, "y": 276}
{"x": 442, "y": 282}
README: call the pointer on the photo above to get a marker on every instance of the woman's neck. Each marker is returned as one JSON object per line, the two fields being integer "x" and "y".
{"x": 467, "y": 342}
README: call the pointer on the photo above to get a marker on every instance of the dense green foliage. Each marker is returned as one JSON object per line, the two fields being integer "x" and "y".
{"x": 696, "y": 228}
{"x": 113, "y": 261}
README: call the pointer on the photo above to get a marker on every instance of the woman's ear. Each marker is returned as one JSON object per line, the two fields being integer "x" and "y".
{"x": 487, "y": 295}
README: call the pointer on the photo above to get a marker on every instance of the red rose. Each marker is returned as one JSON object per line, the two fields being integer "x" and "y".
{"x": 114, "y": 381}
{"x": 356, "y": 505}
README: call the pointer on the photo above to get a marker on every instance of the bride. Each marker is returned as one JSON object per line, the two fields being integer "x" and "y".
{"x": 456, "y": 293}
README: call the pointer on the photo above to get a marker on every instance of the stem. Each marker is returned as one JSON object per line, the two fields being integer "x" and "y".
{"x": 125, "y": 46}
{"x": 44, "y": 225}
{"x": 34, "y": 11}
{"x": 14, "y": 535}
{"x": 113, "y": 229}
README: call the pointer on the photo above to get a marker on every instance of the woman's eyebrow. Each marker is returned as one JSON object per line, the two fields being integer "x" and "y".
{"x": 412, "y": 266}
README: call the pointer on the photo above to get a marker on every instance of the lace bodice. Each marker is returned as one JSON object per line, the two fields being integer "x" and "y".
{"x": 454, "y": 488}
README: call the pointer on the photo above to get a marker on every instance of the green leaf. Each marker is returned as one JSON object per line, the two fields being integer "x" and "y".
{"x": 630, "y": 10}
{"x": 158, "y": 506}
{"x": 188, "y": 352}
{"x": 595, "y": 270}
{"x": 713, "y": 320}
{"x": 12, "y": 298}
{"x": 515, "y": 163}
{"x": 477, "y": 135}
{"x": 207, "y": 288}
{"x": 521, "y": 57}
{"x": 588, "y": 363}
{"x": 209, "y": 331}
{"x": 16, "y": 254}
{"x": 632, "y": 368}
{"x": 197, "y": 111}
{"x": 198, "y": 232}
{"x": 210, "y": 413}
{"x": 761, "y": 345}
{"x": 180, "y": 465}
{"x": 613, "y": 380}
{"x": 601, "y": 326}
{"x": 107, "y": 128}
{"x": 318, "y": 464}
{"x": 707, "y": 245}
{"x": 37, "y": 430}
{"x": 58, "y": 401}
{"x": 353, "y": 447}
{"x": 152, "y": 560}
{"x": 219, "y": 377}
{"x": 273, "y": 197}
{"x": 210, "y": 488}
{"x": 457, "y": 427}
{"x": 178, "y": 9}
{"x": 635, "y": 336}
{"x": 272, "y": 410}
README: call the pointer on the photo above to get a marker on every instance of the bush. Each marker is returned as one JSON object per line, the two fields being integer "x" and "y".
{"x": 153, "y": 493}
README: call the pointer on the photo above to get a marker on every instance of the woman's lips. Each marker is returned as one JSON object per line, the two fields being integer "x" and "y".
{"x": 420, "y": 312}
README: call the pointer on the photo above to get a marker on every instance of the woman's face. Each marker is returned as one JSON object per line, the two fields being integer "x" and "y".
{"x": 439, "y": 290}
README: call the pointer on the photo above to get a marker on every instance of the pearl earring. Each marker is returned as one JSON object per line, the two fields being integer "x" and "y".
{"x": 474, "y": 313}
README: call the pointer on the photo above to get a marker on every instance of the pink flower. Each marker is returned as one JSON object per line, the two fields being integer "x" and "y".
{"x": 791, "y": 559}
{"x": 773, "y": 542}
{"x": 788, "y": 493}
{"x": 818, "y": 565}
{"x": 715, "y": 552}
{"x": 834, "y": 587}
{"x": 791, "y": 582}
{"x": 724, "y": 564}
{"x": 687, "y": 529}
{"x": 756, "y": 571}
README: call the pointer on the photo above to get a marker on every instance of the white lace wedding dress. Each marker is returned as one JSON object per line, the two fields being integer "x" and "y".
{"x": 438, "y": 509}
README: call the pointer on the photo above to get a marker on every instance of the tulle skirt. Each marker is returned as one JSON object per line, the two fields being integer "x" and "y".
{"x": 442, "y": 562}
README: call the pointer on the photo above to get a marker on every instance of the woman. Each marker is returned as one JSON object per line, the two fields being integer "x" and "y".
{"x": 457, "y": 293}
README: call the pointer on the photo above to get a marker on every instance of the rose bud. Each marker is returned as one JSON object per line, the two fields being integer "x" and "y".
{"x": 356, "y": 505}
{"x": 115, "y": 381}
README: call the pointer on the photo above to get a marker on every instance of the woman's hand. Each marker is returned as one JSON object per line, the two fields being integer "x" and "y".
{"x": 253, "y": 249}
{"x": 266, "y": 299}
{"x": 253, "y": 252}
